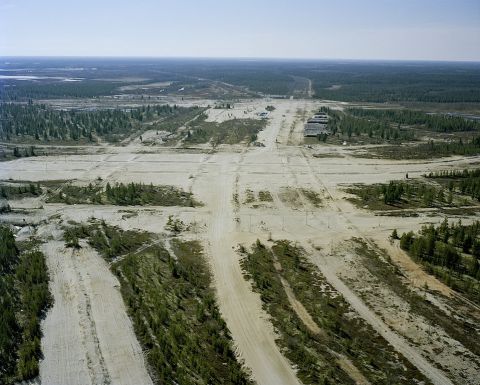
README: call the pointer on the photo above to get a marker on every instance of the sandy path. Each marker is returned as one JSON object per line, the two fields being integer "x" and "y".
{"x": 302, "y": 313}
{"x": 297, "y": 306}
{"x": 242, "y": 308}
{"x": 88, "y": 337}
{"x": 400, "y": 344}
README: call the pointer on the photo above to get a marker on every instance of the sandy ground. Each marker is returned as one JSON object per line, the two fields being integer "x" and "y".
{"x": 284, "y": 164}
{"x": 88, "y": 337}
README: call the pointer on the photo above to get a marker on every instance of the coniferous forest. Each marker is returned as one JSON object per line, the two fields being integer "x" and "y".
{"x": 42, "y": 124}
{"x": 451, "y": 251}
{"x": 24, "y": 299}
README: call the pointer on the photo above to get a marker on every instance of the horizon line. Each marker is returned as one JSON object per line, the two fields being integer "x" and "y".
{"x": 238, "y": 58}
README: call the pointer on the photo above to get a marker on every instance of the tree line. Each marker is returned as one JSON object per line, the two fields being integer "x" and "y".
{"x": 140, "y": 194}
{"x": 432, "y": 149}
{"x": 43, "y": 124}
{"x": 24, "y": 91}
{"x": 15, "y": 192}
{"x": 451, "y": 251}
{"x": 432, "y": 122}
{"x": 392, "y": 125}
{"x": 467, "y": 182}
{"x": 400, "y": 192}
{"x": 129, "y": 194}
{"x": 24, "y": 299}
{"x": 349, "y": 125}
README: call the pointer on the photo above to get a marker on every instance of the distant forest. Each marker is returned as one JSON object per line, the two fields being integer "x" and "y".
{"x": 439, "y": 82}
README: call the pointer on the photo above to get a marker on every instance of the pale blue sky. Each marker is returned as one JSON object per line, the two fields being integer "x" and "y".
{"x": 370, "y": 29}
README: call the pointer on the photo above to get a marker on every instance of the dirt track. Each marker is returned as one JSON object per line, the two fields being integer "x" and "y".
{"x": 88, "y": 337}
{"x": 214, "y": 179}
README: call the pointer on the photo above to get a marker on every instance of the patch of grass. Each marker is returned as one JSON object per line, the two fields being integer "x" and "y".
{"x": 316, "y": 355}
{"x": 178, "y": 118}
{"x": 265, "y": 196}
{"x": 312, "y": 196}
{"x": 236, "y": 200}
{"x": 326, "y": 155}
{"x": 249, "y": 196}
{"x": 111, "y": 242}
{"x": 228, "y": 132}
{"x": 290, "y": 197}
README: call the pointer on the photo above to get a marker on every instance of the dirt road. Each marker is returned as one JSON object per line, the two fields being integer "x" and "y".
{"x": 242, "y": 309}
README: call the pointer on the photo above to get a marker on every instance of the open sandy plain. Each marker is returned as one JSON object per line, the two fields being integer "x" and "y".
{"x": 88, "y": 338}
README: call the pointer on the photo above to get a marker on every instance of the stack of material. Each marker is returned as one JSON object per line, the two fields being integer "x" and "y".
{"x": 317, "y": 125}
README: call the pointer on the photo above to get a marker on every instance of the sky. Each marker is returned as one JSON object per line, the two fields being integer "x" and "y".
{"x": 310, "y": 29}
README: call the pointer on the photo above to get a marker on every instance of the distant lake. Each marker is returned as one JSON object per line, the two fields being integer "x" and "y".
{"x": 31, "y": 77}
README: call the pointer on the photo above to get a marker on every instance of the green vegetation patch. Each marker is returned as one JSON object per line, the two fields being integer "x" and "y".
{"x": 111, "y": 242}
{"x": 12, "y": 191}
{"x": 418, "y": 119}
{"x": 24, "y": 299}
{"x": 229, "y": 132}
{"x": 466, "y": 182}
{"x": 429, "y": 150}
{"x": 123, "y": 195}
{"x": 346, "y": 126}
{"x": 409, "y": 194}
{"x": 315, "y": 355}
{"x": 172, "y": 304}
{"x": 249, "y": 196}
{"x": 265, "y": 196}
{"x": 375, "y": 126}
{"x": 38, "y": 123}
{"x": 176, "y": 118}
{"x": 176, "y": 318}
{"x": 312, "y": 196}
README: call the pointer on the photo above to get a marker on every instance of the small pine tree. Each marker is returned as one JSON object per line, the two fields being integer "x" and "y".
{"x": 394, "y": 234}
